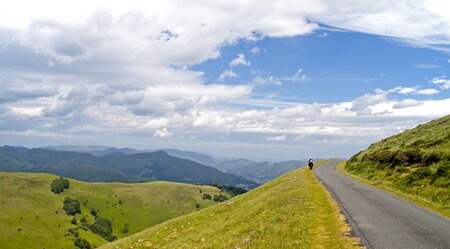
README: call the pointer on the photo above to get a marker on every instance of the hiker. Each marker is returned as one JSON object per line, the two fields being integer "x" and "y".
{"x": 310, "y": 163}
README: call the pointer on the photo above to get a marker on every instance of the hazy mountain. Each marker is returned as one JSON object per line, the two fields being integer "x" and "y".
{"x": 116, "y": 167}
{"x": 259, "y": 172}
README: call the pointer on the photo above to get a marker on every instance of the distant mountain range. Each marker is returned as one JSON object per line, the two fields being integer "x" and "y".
{"x": 259, "y": 172}
{"x": 86, "y": 163}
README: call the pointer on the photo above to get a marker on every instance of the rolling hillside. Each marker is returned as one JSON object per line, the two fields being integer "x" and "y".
{"x": 32, "y": 216}
{"x": 292, "y": 211}
{"x": 140, "y": 167}
{"x": 415, "y": 162}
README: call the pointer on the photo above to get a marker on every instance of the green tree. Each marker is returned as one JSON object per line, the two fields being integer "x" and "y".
{"x": 103, "y": 227}
{"x": 71, "y": 206}
{"x": 82, "y": 243}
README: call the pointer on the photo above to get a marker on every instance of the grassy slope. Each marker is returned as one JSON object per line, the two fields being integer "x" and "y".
{"x": 28, "y": 195}
{"x": 292, "y": 211}
{"x": 415, "y": 163}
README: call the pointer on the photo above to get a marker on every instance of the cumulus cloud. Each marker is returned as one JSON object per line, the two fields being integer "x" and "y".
{"x": 104, "y": 67}
{"x": 19, "y": 89}
{"x": 162, "y": 133}
{"x": 239, "y": 60}
{"x": 256, "y": 50}
{"x": 226, "y": 74}
{"x": 442, "y": 82}
{"x": 407, "y": 103}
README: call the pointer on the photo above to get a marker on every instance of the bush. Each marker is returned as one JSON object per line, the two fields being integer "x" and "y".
{"x": 74, "y": 221}
{"x": 103, "y": 227}
{"x": 220, "y": 198}
{"x": 58, "y": 185}
{"x": 82, "y": 243}
{"x": 126, "y": 228}
{"x": 206, "y": 197}
{"x": 93, "y": 212}
{"x": 71, "y": 206}
{"x": 232, "y": 190}
{"x": 197, "y": 205}
{"x": 83, "y": 219}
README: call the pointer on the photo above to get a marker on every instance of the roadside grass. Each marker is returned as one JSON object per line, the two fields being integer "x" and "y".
{"x": 31, "y": 216}
{"x": 292, "y": 211}
{"x": 418, "y": 200}
{"x": 415, "y": 163}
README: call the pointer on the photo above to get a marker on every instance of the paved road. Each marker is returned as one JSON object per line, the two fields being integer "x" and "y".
{"x": 383, "y": 220}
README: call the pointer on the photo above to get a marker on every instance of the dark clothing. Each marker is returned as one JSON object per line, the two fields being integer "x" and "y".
{"x": 310, "y": 164}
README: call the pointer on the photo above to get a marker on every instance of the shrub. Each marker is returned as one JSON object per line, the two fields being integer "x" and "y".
{"x": 71, "y": 206}
{"x": 126, "y": 228}
{"x": 93, "y": 212}
{"x": 58, "y": 185}
{"x": 197, "y": 205}
{"x": 83, "y": 219}
{"x": 220, "y": 198}
{"x": 103, "y": 227}
{"x": 74, "y": 221}
{"x": 82, "y": 243}
{"x": 206, "y": 197}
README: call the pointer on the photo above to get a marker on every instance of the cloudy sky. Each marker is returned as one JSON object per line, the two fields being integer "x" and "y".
{"x": 265, "y": 80}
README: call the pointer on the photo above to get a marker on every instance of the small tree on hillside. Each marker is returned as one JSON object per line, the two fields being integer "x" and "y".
{"x": 71, "y": 206}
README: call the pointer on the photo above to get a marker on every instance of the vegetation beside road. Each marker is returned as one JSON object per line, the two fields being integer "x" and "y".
{"x": 414, "y": 164}
{"x": 292, "y": 211}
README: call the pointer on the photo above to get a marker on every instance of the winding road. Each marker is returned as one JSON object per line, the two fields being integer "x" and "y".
{"x": 383, "y": 220}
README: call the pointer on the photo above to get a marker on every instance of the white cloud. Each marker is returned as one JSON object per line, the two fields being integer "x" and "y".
{"x": 429, "y": 91}
{"x": 162, "y": 133}
{"x": 256, "y": 50}
{"x": 110, "y": 67}
{"x": 407, "y": 103}
{"x": 442, "y": 82}
{"x": 413, "y": 90}
{"x": 229, "y": 73}
{"x": 239, "y": 60}
{"x": 277, "y": 138}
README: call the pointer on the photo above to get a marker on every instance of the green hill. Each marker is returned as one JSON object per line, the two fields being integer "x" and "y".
{"x": 31, "y": 216}
{"x": 292, "y": 211}
{"x": 140, "y": 167}
{"x": 415, "y": 162}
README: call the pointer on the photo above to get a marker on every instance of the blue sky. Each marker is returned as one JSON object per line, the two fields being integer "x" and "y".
{"x": 264, "y": 80}
{"x": 339, "y": 66}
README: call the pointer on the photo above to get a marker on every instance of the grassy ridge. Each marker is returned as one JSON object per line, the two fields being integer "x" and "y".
{"x": 415, "y": 162}
{"x": 292, "y": 211}
{"x": 31, "y": 215}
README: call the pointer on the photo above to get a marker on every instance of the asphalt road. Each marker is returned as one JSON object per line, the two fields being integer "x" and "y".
{"x": 383, "y": 220}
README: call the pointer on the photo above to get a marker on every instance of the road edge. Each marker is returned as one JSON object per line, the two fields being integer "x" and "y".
{"x": 401, "y": 196}
{"x": 354, "y": 231}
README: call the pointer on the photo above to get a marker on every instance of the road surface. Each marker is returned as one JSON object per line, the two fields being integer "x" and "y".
{"x": 383, "y": 220}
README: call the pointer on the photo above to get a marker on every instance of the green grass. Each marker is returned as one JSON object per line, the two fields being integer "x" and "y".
{"x": 414, "y": 164}
{"x": 292, "y": 211}
{"x": 27, "y": 204}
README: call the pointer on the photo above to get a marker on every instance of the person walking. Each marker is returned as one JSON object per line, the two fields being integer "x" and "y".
{"x": 310, "y": 163}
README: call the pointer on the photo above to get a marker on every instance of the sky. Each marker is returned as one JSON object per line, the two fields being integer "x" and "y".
{"x": 263, "y": 80}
